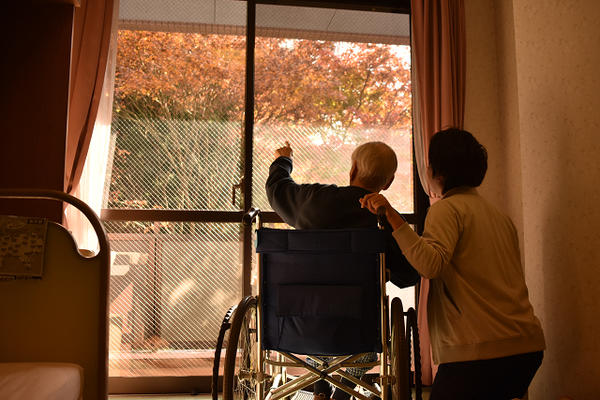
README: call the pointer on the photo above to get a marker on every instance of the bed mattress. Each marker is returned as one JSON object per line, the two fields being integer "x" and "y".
{"x": 40, "y": 381}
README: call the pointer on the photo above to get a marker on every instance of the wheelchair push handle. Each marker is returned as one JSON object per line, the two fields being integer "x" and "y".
{"x": 250, "y": 216}
{"x": 381, "y": 217}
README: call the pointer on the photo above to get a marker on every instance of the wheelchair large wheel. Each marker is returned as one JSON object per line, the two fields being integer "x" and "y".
{"x": 225, "y": 325}
{"x": 241, "y": 364}
{"x": 399, "y": 360}
{"x": 412, "y": 330}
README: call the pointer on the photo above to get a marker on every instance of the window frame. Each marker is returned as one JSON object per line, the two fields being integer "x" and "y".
{"x": 416, "y": 218}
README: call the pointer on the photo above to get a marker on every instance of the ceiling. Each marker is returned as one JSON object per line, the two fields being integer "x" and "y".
{"x": 229, "y": 16}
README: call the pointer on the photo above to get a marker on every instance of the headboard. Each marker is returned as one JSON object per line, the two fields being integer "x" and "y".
{"x": 61, "y": 317}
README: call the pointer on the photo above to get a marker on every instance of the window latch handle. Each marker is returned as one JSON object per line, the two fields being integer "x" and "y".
{"x": 234, "y": 189}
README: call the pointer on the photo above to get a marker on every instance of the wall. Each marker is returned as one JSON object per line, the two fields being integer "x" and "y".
{"x": 533, "y": 96}
{"x": 557, "y": 52}
{"x": 491, "y": 104}
{"x": 35, "y": 48}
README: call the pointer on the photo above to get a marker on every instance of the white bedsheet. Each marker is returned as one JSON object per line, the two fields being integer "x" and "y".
{"x": 40, "y": 381}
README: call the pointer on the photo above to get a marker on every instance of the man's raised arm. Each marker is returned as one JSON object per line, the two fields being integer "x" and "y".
{"x": 282, "y": 191}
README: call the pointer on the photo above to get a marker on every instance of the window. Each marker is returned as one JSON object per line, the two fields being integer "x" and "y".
{"x": 201, "y": 102}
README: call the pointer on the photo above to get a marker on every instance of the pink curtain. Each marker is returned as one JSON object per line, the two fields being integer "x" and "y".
{"x": 91, "y": 36}
{"x": 438, "y": 77}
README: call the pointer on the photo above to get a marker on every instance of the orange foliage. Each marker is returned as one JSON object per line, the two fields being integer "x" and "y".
{"x": 200, "y": 76}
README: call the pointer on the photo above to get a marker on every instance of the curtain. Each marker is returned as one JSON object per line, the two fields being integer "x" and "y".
{"x": 92, "y": 29}
{"x": 89, "y": 186}
{"x": 438, "y": 78}
{"x": 93, "y": 177}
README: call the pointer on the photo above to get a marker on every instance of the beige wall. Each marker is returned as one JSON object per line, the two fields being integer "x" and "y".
{"x": 533, "y": 98}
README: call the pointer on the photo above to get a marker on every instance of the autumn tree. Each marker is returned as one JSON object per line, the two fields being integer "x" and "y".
{"x": 179, "y": 76}
{"x": 340, "y": 85}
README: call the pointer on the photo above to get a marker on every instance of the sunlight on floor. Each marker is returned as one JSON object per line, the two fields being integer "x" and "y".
{"x": 204, "y": 396}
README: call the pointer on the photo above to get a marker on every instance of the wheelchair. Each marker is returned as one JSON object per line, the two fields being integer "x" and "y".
{"x": 321, "y": 293}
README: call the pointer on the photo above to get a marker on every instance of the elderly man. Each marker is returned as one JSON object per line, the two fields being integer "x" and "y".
{"x": 319, "y": 206}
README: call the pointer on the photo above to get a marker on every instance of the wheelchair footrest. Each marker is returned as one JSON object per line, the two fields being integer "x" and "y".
{"x": 302, "y": 395}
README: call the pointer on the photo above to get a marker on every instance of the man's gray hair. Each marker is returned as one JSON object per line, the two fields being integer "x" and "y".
{"x": 376, "y": 164}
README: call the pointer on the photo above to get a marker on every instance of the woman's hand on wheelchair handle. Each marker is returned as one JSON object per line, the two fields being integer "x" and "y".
{"x": 374, "y": 201}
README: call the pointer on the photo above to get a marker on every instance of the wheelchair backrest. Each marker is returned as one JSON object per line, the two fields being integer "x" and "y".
{"x": 320, "y": 290}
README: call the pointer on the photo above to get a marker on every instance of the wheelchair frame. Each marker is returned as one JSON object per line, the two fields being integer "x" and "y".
{"x": 256, "y": 375}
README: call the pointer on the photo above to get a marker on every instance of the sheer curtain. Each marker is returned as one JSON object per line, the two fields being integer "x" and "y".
{"x": 86, "y": 176}
{"x": 93, "y": 176}
{"x": 438, "y": 78}
{"x": 93, "y": 25}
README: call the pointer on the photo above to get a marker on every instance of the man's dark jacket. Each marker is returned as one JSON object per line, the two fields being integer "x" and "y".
{"x": 317, "y": 206}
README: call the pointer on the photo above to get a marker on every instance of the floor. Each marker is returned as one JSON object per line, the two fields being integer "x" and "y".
{"x": 160, "y": 397}
{"x": 188, "y": 397}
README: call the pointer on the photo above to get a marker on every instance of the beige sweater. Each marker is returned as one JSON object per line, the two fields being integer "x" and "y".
{"x": 478, "y": 306}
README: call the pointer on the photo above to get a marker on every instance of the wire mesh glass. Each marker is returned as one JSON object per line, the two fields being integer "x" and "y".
{"x": 328, "y": 96}
{"x": 177, "y": 121}
{"x": 171, "y": 285}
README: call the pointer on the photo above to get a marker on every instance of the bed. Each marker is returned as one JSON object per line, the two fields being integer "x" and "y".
{"x": 53, "y": 340}
{"x": 48, "y": 381}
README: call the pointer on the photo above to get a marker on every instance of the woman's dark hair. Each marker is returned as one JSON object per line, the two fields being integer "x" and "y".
{"x": 458, "y": 158}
